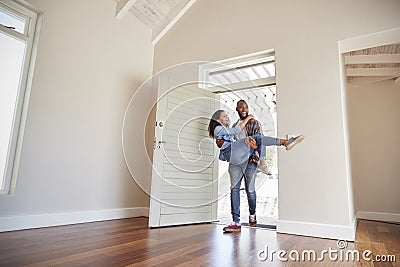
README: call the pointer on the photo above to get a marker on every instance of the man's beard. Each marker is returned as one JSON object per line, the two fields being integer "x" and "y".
{"x": 241, "y": 117}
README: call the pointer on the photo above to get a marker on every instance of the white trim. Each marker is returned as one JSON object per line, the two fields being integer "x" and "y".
{"x": 24, "y": 111}
{"x": 379, "y": 216}
{"x": 371, "y": 40}
{"x": 346, "y": 136}
{"x": 317, "y": 230}
{"x": 355, "y": 224}
{"x": 235, "y": 62}
{"x": 247, "y": 58}
{"x": 47, "y": 220}
{"x": 123, "y": 7}
{"x": 31, "y": 39}
{"x": 165, "y": 26}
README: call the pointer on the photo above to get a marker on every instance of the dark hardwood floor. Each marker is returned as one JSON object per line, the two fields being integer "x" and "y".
{"x": 130, "y": 242}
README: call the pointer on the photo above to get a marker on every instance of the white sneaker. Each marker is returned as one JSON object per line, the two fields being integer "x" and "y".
{"x": 264, "y": 169}
{"x": 293, "y": 141}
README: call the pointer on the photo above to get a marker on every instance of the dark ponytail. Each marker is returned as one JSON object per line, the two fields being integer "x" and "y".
{"x": 214, "y": 122}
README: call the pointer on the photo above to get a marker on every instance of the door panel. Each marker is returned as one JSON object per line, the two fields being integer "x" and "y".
{"x": 185, "y": 170}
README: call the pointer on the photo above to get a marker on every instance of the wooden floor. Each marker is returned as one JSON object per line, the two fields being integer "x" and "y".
{"x": 130, "y": 242}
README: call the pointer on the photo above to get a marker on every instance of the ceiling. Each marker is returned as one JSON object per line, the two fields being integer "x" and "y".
{"x": 254, "y": 83}
{"x": 243, "y": 74}
{"x": 373, "y": 64}
{"x": 158, "y": 15}
{"x": 261, "y": 102}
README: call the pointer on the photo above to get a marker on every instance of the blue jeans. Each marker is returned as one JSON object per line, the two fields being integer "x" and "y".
{"x": 248, "y": 171}
{"x": 238, "y": 152}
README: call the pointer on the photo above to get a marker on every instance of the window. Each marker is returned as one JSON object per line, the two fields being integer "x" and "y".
{"x": 17, "y": 53}
{"x": 240, "y": 73}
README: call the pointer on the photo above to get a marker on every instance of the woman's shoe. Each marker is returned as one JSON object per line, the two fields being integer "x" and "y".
{"x": 293, "y": 141}
{"x": 264, "y": 169}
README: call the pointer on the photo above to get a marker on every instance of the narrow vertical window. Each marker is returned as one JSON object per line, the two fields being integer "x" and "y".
{"x": 17, "y": 33}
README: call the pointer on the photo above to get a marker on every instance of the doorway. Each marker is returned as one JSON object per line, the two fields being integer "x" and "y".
{"x": 185, "y": 180}
{"x": 250, "y": 78}
{"x": 370, "y": 68}
{"x": 262, "y": 104}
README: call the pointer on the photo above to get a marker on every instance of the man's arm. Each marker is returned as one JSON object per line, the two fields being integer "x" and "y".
{"x": 253, "y": 127}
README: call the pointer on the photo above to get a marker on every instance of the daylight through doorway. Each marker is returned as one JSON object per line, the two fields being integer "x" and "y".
{"x": 262, "y": 104}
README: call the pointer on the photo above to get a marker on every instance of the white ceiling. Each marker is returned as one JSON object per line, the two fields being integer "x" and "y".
{"x": 158, "y": 15}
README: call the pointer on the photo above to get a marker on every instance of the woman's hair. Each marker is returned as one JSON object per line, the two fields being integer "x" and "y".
{"x": 214, "y": 122}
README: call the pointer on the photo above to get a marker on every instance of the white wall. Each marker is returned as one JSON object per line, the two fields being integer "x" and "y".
{"x": 313, "y": 184}
{"x": 374, "y": 127}
{"x": 88, "y": 66}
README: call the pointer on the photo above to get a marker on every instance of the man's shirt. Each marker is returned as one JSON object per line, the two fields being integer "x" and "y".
{"x": 252, "y": 127}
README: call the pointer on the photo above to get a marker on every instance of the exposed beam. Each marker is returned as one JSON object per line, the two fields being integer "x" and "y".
{"x": 372, "y": 59}
{"x": 373, "y": 72}
{"x": 142, "y": 17}
{"x": 123, "y": 7}
{"x": 173, "y": 16}
{"x": 242, "y": 85}
{"x": 370, "y": 40}
{"x": 369, "y": 80}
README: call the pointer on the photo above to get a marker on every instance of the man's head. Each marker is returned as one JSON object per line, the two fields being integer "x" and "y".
{"x": 242, "y": 109}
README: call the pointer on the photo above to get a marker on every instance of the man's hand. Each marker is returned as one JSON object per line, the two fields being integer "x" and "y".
{"x": 251, "y": 143}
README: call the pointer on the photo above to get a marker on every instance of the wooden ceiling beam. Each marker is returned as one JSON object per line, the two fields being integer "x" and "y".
{"x": 169, "y": 21}
{"x": 372, "y": 59}
{"x": 369, "y": 80}
{"x": 123, "y": 7}
{"x": 240, "y": 86}
{"x": 394, "y": 72}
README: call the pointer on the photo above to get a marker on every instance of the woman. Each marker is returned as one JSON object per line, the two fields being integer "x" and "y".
{"x": 238, "y": 152}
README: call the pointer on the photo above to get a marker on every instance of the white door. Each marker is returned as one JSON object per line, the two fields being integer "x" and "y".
{"x": 185, "y": 168}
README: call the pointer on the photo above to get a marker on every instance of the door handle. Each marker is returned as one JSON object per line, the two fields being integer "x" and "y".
{"x": 159, "y": 144}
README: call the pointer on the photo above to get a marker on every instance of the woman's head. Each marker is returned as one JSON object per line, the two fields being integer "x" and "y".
{"x": 218, "y": 118}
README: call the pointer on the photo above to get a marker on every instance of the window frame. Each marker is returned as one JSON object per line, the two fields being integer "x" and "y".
{"x": 31, "y": 39}
{"x": 207, "y": 69}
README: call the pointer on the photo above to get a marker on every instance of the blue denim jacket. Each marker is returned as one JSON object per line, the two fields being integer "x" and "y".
{"x": 227, "y": 134}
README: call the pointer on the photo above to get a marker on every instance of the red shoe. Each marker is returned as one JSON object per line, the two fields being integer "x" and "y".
{"x": 234, "y": 227}
{"x": 252, "y": 220}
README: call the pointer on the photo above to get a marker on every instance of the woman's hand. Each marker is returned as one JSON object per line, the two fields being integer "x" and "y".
{"x": 251, "y": 143}
{"x": 245, "y": 121}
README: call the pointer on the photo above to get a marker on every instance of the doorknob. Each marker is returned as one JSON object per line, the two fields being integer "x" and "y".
{"x": 159, "y": 144}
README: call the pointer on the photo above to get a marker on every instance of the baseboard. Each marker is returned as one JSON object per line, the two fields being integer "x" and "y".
{"x": 379, "y": 216}
{"x": 46, "y": 220}
{"x": 317, "y": 230}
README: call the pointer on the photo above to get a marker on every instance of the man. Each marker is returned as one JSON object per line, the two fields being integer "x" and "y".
{"x": 248, "y": 171}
